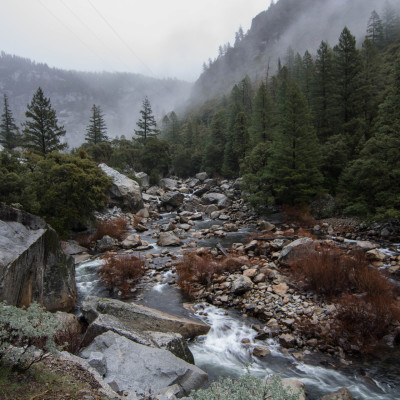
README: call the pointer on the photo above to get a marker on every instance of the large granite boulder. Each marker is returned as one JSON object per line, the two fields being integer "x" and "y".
{"x": 141, "y": 318}
{"x": 167, "y": 239}
{"x": 216, "y": 198}
{"x": 124, "y": 192}
{"x": 33, "y": 266}
{"x": 295, "y": 250}
{"x": 168, "y": 184}
{"x": 141, "y": 370}
{"x": 174, "y": 199}
{"x": 173, "y": 342}
{"x": 341, "y": 394}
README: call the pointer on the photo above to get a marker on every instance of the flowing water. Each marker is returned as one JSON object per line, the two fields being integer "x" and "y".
{"x": 221, "y": 352}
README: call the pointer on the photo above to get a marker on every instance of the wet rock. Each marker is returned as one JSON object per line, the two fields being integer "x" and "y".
{"x": 266, "y": 226}
{"x": 261, "y": 351}
{"x": 169, "y": 239}
{"x": 342, "y": 394}
{"x": 293, "y": 251}
{"x": 375, "y": 255}
{"x": 241, "y": 284}
{"x": 287, "y": 340}
{"x": 106, "y": 243}
{"x": 216, "y": 198}
{"x": 131, "y": 241}
{"x": 280, "y": 289}
{"x": 366, "y": 245}
{"x": 146, "y": 370}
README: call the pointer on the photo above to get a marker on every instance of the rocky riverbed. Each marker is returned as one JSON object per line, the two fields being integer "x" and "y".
{"x": 180, "y": 216}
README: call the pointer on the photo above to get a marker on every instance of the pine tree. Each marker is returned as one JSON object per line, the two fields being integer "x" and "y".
{"x": 96, "y": 132}
{"x": 9, "y": 132}
{"x": 375, "y": 30}
{"x": 147, "y": 124}
{"x": 294, "y": 164}
{"x": 390, "y": 23}
{"x": 42, "y": 134}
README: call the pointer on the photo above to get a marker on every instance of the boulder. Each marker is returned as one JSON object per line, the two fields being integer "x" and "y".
{"x": 33, "y": 266}
{"x": 124, "y": 192}
{"x": 145, "y": 370}
{"x": 144, "y": 179}
{"x": 287, "y": 340}
{"x": 141, "y": 318}
{"x": 106, "y": 243}
{"x": 216, "y": 198}
{"x": 341, "y": 394}
{"x": 201, "y": 176}
{"x": 174, "y": 199}
{"x": 131, "y": 241}
{"x": 170, "y": 341}
{"x": 241, "y": 284}
{"x": 261, "y": 351}
{"x": 293, "y": 251}
{"x": 168, "y": 239}
{"x": 280, "y": 289}
{"x": 168, "y": 183}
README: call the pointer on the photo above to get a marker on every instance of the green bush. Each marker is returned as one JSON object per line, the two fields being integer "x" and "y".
{"x": 247, "y": 387}
{"x": 26, "y": 335}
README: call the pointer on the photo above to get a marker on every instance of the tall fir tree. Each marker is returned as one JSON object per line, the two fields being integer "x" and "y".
{"x": 9, "y": 132}
{"x": 295, "y": 160}
{"x": 375, "y": 31}
{"x": 42, "y": 134}
{"x": 147, "y": 124}
{"x": 96, "y": 132}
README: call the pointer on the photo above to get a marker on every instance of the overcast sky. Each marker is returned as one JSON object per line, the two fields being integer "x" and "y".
{"x": 160, "y": 38}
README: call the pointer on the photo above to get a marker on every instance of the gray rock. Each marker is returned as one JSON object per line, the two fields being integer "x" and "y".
{"x": 293, "y": 251}
{"x": 174, "y": 199}
{"x": 201, "y": 176}
{"x": 141, "y": 318}
{"x": 295, "y": 386}
{"x": 98, "y": 362}
{"x": 341, "y": 394}
{"x": 131, "y": 241}
{"x": 267, "y": 226}
{"x": 170, "y": 341}
{"x": 146, "y": 370}
{"x": 169, "y": 239}
{"x": 261, "y": 351}
{"x": 106, "y": 243}
{"x": 287, "y": 340}
{"x": 144, "y": 179}
{"x": 168, "y": 183}
{"x": 33, "y": 266}
{"x": 193, "y": 183}
{"x": 241, "y": 284}
{"x": 143, "y": 213}
{"x": 124, "y": 192}
{"x": 216, "y": 198}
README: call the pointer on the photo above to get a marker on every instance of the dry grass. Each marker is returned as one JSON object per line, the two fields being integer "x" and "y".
{"x": 121, "y": 272}
{"x": 196, "y": 271}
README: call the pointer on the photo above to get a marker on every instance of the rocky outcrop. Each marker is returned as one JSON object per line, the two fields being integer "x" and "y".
{"x": 145, "y": 370}
{"x": 141, "y": 318}
{"x": 124, "y": 192}
{"x": 296, "y": 249}
{"x": 33, "y": 266}
{"x": 342, "y": 394}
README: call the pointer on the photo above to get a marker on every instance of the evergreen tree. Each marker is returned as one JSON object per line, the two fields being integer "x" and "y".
{"x": 294, "y": 164}
{"x": 375, "y": 30}
{"x": 390, "y": 23}
{"x": 147, "y": 124}
{"x": 307, "y": 76}
{"x": 261, "y": 121}
{"x": 96, "y": 132}
{"x": 42, "y": 134}
{"x": 9, "y": 132}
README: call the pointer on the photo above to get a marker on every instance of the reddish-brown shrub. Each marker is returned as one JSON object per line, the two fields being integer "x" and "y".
{"x": 114, "y": 228}
{"x": 195, "y": 271}
{"x": 121, "y": 271}
{"x": 298, "y": 214}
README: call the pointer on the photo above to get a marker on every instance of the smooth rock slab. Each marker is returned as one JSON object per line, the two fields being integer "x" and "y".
{"x": 142, "y": 370}
{"x": 169, "y": 239}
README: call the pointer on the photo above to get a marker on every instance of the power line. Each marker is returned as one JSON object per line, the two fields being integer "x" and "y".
{"x": 71, "y": 31}
{"x": 120, "y": 37}
{"x": 89, "y": 29}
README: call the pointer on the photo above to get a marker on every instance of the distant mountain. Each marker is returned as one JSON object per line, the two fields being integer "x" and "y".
{"x": 72, "y": 94}
{"x": 296, "y": 24}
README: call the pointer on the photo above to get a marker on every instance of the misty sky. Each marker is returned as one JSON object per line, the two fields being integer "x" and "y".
{"x": 159, "y": 38}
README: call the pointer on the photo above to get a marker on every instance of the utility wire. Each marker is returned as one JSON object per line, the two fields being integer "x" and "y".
{"x": 120, "y": 37}
{"x": 71, "y": 31}
{"x": 89, "y": 29}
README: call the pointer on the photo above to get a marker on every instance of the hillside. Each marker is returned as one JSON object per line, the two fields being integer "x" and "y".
{"x": 72, "y": 94}
{"x": 287, "y": 25}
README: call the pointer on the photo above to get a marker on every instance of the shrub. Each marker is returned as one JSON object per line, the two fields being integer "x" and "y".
{"x": 299, "y": 214}
{"x": 121, "y": 272}
{"x": 114, "y": 228}
{"x": 32, "y": 330}
{"x": 247, "y": 387}
{"x": 195, "y": 271}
